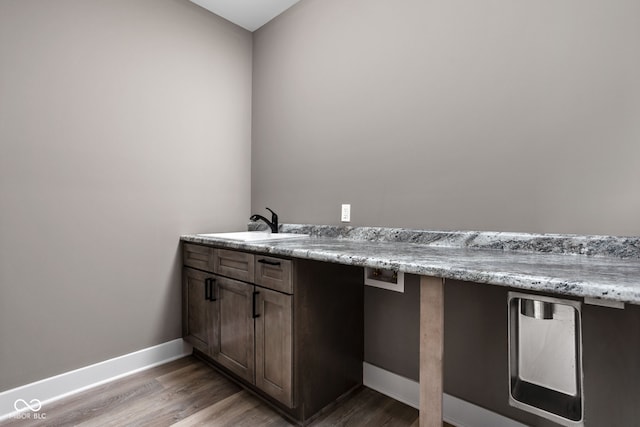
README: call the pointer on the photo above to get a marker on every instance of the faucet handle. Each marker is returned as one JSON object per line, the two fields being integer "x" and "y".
{"x": 274, "y": 219}
{"x": 273, "y": 214}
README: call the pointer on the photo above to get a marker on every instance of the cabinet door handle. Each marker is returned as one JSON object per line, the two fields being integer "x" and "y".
{"x": 212, "y": 296}
{"x": 207, "y": 289}
{"x": 266, "y": 261}
{"x": 255, "y": 294}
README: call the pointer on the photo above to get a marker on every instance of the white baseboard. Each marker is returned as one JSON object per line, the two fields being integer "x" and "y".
{"x": 50, "y": 389}
{"x": 393, "y": 385}
{"x": 455, "y": 411}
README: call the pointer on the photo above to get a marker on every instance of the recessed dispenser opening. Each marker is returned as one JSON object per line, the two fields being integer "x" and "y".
{"x": 392, "y": 280}
{"x": 545, "y": 357}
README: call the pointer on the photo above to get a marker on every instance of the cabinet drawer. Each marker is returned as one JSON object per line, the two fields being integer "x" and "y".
{"x": 196, "y": 256}
{"x": 234, "y": 264}
{"x": 274, "y": 273}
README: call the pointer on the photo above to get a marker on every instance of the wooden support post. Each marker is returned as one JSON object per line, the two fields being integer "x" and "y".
{"x": 431, "y": 350}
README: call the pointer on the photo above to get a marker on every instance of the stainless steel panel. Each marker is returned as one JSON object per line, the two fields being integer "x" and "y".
{"x": 545, "y": 361}
{"x": 536, "y": 309}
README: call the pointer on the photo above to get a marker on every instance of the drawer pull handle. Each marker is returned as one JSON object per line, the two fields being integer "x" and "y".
{"x": 266, "y": 261}
{"x": 255, "y": 294}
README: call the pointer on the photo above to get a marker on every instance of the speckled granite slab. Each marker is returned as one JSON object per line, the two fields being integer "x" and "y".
{"x": 556, "y": 264}
{"x": 621, "y": 247}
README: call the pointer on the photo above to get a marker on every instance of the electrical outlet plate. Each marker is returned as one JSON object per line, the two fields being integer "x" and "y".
{"x": 346, "y": 213}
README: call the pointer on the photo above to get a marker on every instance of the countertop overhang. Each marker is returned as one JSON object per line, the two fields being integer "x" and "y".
{"x": 451, "y": 256}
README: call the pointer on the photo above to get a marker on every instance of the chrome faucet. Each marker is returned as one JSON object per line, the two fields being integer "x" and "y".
{"x": 273, "y": 224}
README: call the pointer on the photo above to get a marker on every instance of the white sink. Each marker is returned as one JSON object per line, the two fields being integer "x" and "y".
{"x": 254, "y": 236}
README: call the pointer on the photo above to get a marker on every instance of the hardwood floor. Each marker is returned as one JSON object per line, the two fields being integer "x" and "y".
{"x": 187, "y": 392}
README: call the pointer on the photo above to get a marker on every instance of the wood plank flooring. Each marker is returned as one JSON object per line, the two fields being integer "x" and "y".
{"x": 187, "y": 393}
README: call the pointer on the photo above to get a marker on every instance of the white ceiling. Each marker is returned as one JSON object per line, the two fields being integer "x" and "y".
{"x": 249, "y": 14}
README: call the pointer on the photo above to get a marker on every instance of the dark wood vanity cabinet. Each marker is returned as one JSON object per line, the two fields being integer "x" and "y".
{"x": 290, "y": 330}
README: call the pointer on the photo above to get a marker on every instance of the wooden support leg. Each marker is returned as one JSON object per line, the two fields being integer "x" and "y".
{"x": 431, "y": 350}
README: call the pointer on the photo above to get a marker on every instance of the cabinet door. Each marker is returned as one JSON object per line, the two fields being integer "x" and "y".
{"x": 198, "y": 310}
{"x": 274, "y": 345}
{"x": 235, "y": 327}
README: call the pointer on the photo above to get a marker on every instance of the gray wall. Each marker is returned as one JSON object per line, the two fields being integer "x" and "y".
{"x": 122, "y": 125}
{"x": 492, "y": 115}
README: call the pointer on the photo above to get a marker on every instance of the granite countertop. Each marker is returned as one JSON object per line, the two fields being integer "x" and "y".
{"x": 601, "y": 267}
